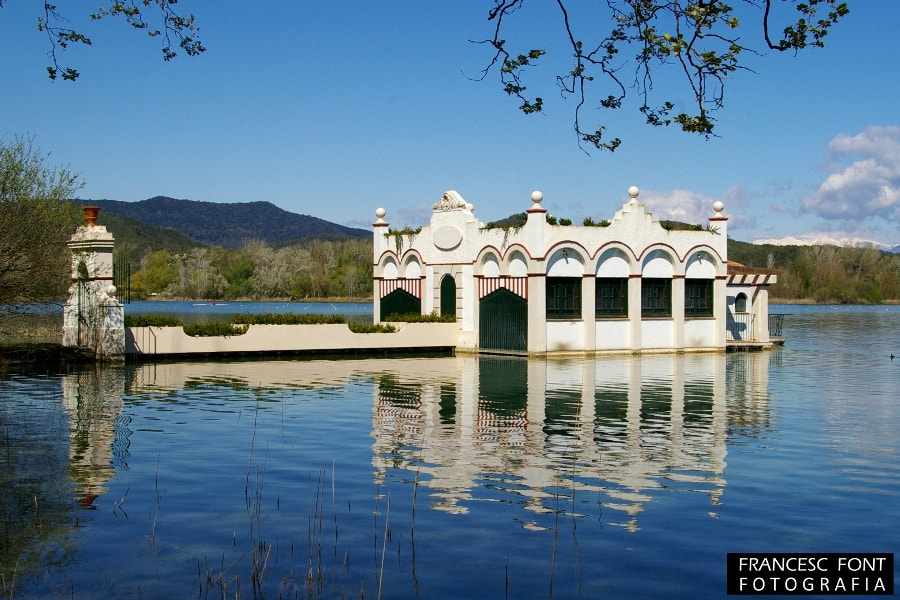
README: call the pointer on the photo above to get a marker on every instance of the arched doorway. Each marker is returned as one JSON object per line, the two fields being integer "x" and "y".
{"x": 448, "y": 295}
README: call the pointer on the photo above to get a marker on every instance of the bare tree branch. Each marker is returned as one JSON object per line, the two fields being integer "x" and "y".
{"x": 182, "y": 32}
{"x": 700, "y": 39}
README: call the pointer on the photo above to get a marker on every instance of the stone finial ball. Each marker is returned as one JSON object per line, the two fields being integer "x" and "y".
{"x": 470, "y": 207}
{"x": 537, "y": 196}
{"x": 380, "y": 212}
{"x": 111, "y": 290}
{"x": 634, "y": 191}
{"x": 718, "y": 206}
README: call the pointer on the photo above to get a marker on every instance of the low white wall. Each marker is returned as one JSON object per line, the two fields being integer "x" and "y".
{"x": 613, "y": 334}
{"x": 657, "y": 334}
{"x": 565, "y": 336}
{"x": 700, "y": 333}
{"x": 158, "y": 341}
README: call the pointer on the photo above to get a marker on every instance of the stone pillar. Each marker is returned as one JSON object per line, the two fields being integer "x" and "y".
{"x": 379, "y": 246}
{"x": 761, "y": 314}
{"x": 535, "y": 240}
{"x": 678, "y": 319}
{"x": 635, "y": 318}
{"x": 92, "y": 316}
{"x": 719, "y": 223}
{"x": 720, "y": 310}
{"x": 537, "y": 310}
{"x": 589, "y": 312}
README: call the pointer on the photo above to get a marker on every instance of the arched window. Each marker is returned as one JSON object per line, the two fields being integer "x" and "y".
{"x": 564, "y": 278}
{"x": 611, "y": 285}
{"x": 413, "y": 268}
{"x": 656, "y": 285}
{"x": 490, "y": 266}
{"x": 740, "y": 303}
{"x": 699, "y": 286}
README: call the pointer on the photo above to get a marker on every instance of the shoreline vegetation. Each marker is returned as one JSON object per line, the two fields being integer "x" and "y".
{"x": 341, "y": 271}
{"x": 813, "y": 302}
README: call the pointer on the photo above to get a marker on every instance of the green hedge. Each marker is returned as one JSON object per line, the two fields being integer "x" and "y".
{"x": 239, "y": 324}
{"x": 214, "y": 329}
{"x": 357, "y": 327}
{"x": 288, "y": 319}
{"x": 152, "y": 321}
{"x": 419, "y": 318}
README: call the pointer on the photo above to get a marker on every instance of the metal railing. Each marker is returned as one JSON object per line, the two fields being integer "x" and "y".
{"x": 740, "y": 327}
{"x": 776, "y": 324}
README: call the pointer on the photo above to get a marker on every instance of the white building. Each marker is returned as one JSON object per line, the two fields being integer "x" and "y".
{"x": 627, "y": 285}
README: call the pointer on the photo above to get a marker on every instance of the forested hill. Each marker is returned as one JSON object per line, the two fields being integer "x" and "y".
{"x": 228, "y": 225}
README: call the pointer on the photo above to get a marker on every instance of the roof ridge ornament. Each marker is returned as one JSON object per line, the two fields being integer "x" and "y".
{"x": 451, "y": 200}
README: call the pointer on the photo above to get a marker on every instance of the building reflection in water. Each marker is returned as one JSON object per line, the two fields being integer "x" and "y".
{"x": 98, "y": 434}
{"x": 59, "y": 449}
{"x": 531, "y": 433}
{"x": 610, "y": 428}
{"x": 517, "y": 430}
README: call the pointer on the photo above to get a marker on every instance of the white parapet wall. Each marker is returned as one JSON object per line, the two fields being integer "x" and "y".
{"x": 336, "y": 338}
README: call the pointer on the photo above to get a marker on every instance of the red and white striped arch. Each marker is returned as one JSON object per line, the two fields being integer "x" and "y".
{"x": 517, "y": 285}
{"x": 412, "y": 286}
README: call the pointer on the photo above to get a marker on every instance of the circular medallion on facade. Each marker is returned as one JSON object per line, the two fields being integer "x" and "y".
{"x": 447, "y": 237}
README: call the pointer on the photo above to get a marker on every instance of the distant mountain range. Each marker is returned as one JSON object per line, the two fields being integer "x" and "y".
{"x": 163, "y": 223}
{"x": 220, "y": 224}
{"x": 827, "y": 240}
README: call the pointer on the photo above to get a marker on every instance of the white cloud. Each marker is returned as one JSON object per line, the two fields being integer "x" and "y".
{"x": 677, "y": 205}
{"x": 692, "y": 207}
{"x": 865, "y": 178}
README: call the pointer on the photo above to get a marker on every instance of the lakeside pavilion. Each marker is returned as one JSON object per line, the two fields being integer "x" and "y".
{"x": 624, "y": 285}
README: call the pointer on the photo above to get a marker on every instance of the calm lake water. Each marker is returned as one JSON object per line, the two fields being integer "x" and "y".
{"x": 453, "y": 477}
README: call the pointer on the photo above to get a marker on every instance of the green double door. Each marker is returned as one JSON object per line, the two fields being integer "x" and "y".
{"x": 503, "y": 322}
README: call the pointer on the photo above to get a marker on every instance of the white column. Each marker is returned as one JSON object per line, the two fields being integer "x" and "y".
{"x": 588, "y": 312}
{"x": 634, "y": 310}
{"x": 678, "y": 311}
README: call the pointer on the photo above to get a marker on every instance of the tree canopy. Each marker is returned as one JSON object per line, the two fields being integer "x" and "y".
{"x": 38, "y": 218}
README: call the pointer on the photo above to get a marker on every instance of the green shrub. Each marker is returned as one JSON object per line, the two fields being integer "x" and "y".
{"x": 358, "y": 327}
{"x": 419, "y": 318}
{"x": 867, "y": 292}
{"x": 287, "y": 319}
{"x": 152, "y": 321}
{"x": 214, "y": 329}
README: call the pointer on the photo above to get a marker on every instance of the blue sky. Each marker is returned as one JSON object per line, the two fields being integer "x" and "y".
{"x": 333, "y": 109}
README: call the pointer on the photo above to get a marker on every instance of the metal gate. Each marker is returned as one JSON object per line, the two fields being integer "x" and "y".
{"x": 503, "y": 321}
{"x": 400, "y": 302}
{"x": 122, "y": 276}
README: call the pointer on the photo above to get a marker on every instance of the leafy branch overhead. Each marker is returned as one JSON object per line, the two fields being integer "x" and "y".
{"x": 606, "y": 50}
{"x": 700, "y": 40}
{"x": 174, "y": 30}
